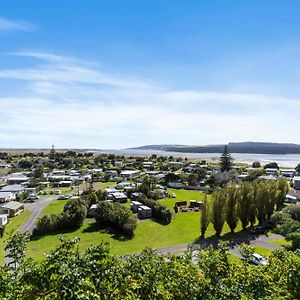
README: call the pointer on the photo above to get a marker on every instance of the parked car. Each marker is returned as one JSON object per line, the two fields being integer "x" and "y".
{"x": 258, "y": 259}
{"x": 64, "y": 197}
{"x": 33, "y": 197}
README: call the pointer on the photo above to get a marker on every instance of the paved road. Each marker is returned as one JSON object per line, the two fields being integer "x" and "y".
{"x": 36, "y": 208}
{"x": 262, "y": 241}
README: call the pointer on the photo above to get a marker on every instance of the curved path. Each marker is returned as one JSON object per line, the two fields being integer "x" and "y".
{"x": 36, "y": 208}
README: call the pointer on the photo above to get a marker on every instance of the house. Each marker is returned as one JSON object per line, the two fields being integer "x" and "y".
{"x": 12, "y": 208}
{"x": 111, "y": 173}
{"x": 176, "y": 185}
{"x": 111, "y": 190}
{"x": 144, "y": 212}
{"x": 16, "y": 189}
{"x": 118, "y": 164}
{"x": 7, "y": 196}
{"x": 3, "y": 220}
{"x": 119, "y": 197}
{"x": 31, "y": 190}
{"x": 16, "y": 178}
{"x": 147, "y": 164}
{"x": 271, "y": 171}
{"x": 129, "y": 174}
{"x": 296, "y": 181}
{"x": 288, "y": 173}
{"x": 135, "y": 205}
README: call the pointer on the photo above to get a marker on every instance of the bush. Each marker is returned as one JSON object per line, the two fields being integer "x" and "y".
{"x": 115, "y": 214}
{"x": 159, "y": 211}
{"x": 72, "y": 217}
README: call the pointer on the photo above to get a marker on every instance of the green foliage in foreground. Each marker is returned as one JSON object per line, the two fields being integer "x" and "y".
{"x": 96, "y": 274}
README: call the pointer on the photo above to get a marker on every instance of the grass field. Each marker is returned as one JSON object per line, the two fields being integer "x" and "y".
{"x": 262, "y": 251}
{"x": 280, "y": 242}
{"x": 183, "y": 229}
{"x": 54, "y": 207}
{"x": 14, "y": 224}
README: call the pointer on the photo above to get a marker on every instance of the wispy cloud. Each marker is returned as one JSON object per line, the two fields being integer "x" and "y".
{"x": 12, "y": 25}
{"x": 75, "y": 104}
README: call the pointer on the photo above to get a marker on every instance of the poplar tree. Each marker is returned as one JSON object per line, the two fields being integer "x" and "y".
{"x": 205, "y": 216}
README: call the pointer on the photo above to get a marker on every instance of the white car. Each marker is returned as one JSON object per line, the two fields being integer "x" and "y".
{"x": 258, "y": 259}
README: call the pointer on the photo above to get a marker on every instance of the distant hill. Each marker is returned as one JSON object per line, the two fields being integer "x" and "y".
{"x": 244, "y": 147}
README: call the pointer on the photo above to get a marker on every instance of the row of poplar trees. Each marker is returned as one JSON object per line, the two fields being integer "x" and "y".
{"x": 246, "y": 202}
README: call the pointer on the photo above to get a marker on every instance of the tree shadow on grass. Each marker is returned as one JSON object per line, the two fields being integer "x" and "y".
{"x": 114, "y": 233}
{"x": 233, "y": 239}
{"x": 59, "y": 232}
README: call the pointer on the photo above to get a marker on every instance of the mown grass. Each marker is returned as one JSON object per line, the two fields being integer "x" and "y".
{"x": 13, "y": 225}
{"x": 184, "y": 228}
{"x": 280, "y": 242}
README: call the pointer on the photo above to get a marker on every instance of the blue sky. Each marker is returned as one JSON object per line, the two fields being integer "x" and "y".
{"x": 114, "y": 74}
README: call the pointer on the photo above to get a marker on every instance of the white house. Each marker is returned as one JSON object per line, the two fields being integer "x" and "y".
{"x": 14, "y": 188}
{"x": 7, "y": 196}
{"x": 129, "y": 174}
{"x": 12, "y": 208}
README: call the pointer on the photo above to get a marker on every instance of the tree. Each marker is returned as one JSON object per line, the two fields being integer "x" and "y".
{"x": 256, "y": 164}
{"x": 260, "y": 198}
{"x": 205, "y": 216}
{"x": 232, "y": 197}
{"x": 226, "y": 160}
{"x": 16, "y": 248}
{"x": 38, "y": 171}
{"x": 271, "y": 165}
{"x": 283, "y": 189}
{"x": 218, "y": 206}
{"x": 245, "y": 204}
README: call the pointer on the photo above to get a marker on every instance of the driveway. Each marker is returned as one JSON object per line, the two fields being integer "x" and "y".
{"x": 36, "y": 208}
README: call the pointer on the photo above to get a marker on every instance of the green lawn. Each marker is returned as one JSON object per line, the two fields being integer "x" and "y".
{"x": 280, "y": 242}
{"x": 54, "y": 207}
{"x": 183, "y": 229}
{"x": 14, "y": 224}
{"x": 262, "y": 251}
{"x": 182, "y": 195}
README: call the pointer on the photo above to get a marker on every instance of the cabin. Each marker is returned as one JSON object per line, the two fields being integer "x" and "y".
{"x": 144, "y": 212}
{"x": 119, "y": 197}
{"x": 11, "y": 209}
{"x": 135, "y": 205}
{"x": 296, "y": 181}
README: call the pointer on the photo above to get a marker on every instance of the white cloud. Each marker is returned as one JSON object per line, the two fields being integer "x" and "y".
{"x": 74, "y": 104}
{"x": 12, "y": 25}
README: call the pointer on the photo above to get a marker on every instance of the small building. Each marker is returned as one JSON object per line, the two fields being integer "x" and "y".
{"x": 16, "y": 178}
{"x": 3, "y": 220}
{"x": 118, "y": 163}
{"x": 144, "y": 212}
{"x": 112, "y": 173}
{"x": 12, "y": 208}
{"x": 135, "y": 205}
{"x": 271, "y": 171}
{"x": 296, "y": 181}
{"x": 176, "y": 185}
{"x": 136, "y": 196}
{"x": 65, "y": 183}
{"x": 119, "y": 197}
{"x": 16, "y": 189}
{"x": 7, "y": 196}
{"x": 288, "y": 173}
{"x": 92, "y": 210}
{"x": 147, "y": 164}
{"x": 30, "y": 190}
{"x": 129, "y": 174}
